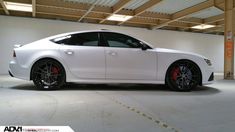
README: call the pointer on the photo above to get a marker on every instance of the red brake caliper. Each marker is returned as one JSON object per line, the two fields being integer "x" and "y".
{"x": 55, "y": 70}
{"x": 175, "y": 73}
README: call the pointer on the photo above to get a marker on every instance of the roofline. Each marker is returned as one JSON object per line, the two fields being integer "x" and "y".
{"x": 102, "y": 30}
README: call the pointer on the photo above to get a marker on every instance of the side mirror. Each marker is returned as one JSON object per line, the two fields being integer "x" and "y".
{"x": 144, "y": 47}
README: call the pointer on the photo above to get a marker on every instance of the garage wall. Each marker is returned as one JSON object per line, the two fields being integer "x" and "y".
{"x": 18, "y": 30}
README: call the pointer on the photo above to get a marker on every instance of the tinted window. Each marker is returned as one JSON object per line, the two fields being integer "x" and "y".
{"x": 61, "y": 40}
{"x": 82, "y": 39}
{"x": 120, "y": 40}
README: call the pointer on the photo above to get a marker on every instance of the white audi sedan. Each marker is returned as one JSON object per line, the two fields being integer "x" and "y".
{"x": 106, "y": 57}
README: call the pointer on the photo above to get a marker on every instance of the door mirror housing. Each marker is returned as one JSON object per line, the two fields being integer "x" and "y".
{"x": 144, "y": 47}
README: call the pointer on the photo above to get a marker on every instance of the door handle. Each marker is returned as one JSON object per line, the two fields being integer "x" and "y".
{"x": 111, "y": 53}
{"x": 69, "y": 52}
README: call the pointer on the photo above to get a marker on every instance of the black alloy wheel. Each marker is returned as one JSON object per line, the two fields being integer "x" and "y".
{"x": 48, "y": 74}
{"x": 183, "y": 75}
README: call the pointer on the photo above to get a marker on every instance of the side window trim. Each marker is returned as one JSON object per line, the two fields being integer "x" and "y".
{"x": 103, "y": 40}
{"x": 127, "y": 36}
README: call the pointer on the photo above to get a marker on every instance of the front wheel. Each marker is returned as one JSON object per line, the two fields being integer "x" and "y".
{"x": 183, "y": 75}
{"x": 48, "y": 74}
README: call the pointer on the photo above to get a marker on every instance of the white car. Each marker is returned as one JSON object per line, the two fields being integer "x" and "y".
{"x": 106, "y": 57}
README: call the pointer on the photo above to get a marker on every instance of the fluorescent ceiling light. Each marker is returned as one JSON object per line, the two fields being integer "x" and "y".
{"x": 18, "y": 6}
{"x": 121, "y": 18}
{"x": 203, "y": 26}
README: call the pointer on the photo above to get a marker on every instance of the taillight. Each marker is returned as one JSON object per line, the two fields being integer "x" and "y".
{"x": 14, "y": 53}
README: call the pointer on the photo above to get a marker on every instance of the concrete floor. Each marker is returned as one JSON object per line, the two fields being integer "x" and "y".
{"x": 119, "y": 108}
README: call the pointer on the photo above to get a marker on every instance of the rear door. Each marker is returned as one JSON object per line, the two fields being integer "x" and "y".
{"x": 83, "y": 55}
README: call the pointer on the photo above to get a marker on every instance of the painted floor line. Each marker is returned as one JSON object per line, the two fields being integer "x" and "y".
{"x": 158, "y": 122}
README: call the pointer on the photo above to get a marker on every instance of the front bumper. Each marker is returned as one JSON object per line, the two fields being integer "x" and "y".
{"x": 211, "y": 78}
{"x": 208, "y": 76}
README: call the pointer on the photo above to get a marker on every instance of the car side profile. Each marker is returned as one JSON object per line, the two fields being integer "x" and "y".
{"x": 104, "y": 56}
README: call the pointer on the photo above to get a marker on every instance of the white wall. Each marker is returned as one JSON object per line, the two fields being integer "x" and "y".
{"x": 18, "y": 30}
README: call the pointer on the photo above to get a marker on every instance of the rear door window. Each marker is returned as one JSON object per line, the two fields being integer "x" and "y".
{"x": 80, "y": 39}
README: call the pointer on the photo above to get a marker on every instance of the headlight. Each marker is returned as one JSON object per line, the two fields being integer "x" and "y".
{"x": 208, "y": 62}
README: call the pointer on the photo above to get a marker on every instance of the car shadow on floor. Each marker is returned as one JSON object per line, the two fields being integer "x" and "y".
{"x": 200, "y": 90}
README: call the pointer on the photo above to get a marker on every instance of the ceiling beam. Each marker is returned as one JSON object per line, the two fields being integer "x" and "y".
{"x": 60, "y": 11}
{"x": 63, "y": 4}
{"x": 219, "y": 4}
{"x": 146, "y": 6}
{"x": 214, "y": 18}
{"x": 214, "y": 29}
{"x": 20, "y": 1}
{"x": 180, "y": 25}
{"x": 116, "y": 8}
{"x": 192, "y": 20}
{"x": 155, "y": 22}
{"x": 108, "y": 11}
{"x": 94, "y": 16}
{"x": 56, "y": 14}
{"x": 100, "y": 13}
{"x": 88, "y": 11}
{"x": 143, "y": 21}
{"x": 221, "y": 7}
{"x": 143, "y": 8}
{"x": 104, "y": 10}
{"x": 196, "y": 8}
{"x": 4, "y": 7}
{"x": 155, "y": 15}
{"x": 34, "y": 8}
{"x": 183, "y": 13}
{"x": 219, "y": 23}
{"x": 161, "y": 16}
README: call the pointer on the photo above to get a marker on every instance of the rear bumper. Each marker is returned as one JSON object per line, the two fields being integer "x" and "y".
{"x": 18, "y": 71}
{"x": 10, "y": 73}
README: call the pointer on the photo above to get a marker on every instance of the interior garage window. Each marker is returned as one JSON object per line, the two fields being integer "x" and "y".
{"x": 81, "y": 39}
{"x": 120, "y": 40}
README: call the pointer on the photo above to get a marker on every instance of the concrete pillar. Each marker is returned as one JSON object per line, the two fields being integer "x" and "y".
{"x": 229, "y": 40}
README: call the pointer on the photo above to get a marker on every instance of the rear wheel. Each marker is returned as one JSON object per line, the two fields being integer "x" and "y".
{"x": 48, "y": 74}
{"x": 183, "y": 75}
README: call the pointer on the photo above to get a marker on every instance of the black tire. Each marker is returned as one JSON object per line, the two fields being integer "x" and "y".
{"x": 48, "y": 74}
{"x": 183, "y": 75}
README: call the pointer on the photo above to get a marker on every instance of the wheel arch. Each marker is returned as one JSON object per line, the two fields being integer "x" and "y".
{"x": 168, "y": 68}
{"x": 50, "y": 58}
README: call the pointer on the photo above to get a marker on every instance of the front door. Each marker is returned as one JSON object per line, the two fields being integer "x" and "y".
{"x": 126, "y": 60}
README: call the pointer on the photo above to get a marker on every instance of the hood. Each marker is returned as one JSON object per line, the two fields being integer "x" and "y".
{"x": 163, "y": 50}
